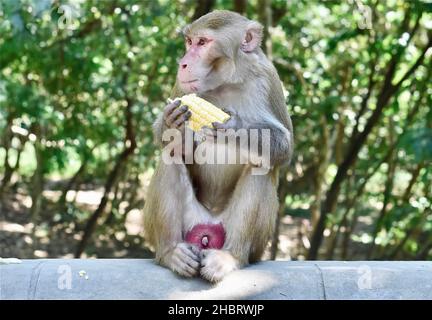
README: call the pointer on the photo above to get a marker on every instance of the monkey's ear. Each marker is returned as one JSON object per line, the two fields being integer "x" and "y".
{"x": 253, "y": 37}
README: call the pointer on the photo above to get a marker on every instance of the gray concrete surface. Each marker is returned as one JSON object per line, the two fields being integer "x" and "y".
{"x": 142, "y": 279}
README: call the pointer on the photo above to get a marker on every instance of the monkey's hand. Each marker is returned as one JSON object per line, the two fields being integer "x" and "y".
{"x": 175, "y": 115}
{"x": 216, "y": 264}
{"x": 185, "y": 259}
{"x": 233, "y": 123}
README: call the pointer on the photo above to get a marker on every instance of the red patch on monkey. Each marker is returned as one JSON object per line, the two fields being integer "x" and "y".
{"x": 206, "y": 236}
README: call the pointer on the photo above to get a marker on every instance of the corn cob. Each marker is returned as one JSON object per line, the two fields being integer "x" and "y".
{"x": 203, "y": 112}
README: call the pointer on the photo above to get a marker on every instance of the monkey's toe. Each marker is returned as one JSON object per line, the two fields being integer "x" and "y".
{"x": 216, "y": 264}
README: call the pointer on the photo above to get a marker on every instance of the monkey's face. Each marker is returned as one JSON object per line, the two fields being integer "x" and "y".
{"x": 217, "y": 57}
{"x": 202, "y": 67}
{"x": 218, "y": 49}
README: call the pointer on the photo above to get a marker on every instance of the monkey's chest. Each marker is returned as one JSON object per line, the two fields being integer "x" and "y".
{"x": 214, "y": 184}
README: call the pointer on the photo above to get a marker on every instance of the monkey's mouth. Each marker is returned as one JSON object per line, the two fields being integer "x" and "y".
{"x": 191, "y": 81}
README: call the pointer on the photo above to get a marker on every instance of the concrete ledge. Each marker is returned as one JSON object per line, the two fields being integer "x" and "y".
{"x": 142, "y": 279}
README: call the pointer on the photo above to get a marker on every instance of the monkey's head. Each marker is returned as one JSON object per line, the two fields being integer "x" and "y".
{"x": 221, "y": 48}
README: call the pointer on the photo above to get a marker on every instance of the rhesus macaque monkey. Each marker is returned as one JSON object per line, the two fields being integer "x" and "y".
{"x": 225, "y": 65}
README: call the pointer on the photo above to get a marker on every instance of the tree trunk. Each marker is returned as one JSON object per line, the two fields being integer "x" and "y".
{"x": 387, "y": 193}
{"x": 414, "y": 175}
{"x": 333, "y": 240}
{"x": 130, "y": 145}
{"x": 37, "y": 181}
{"x": 387, "y": 92}
{"x": 18, "y": 158}
{"x": 322, "y": 165}
{"x": 265, "y": 17}
{"x": 240, "y": 6}
{"x": 283, "y": 191}
{"x": 347, "y": 237}
{"x": 72, "y": 182}
{"x": 7, "y": 141}
{"x": 111, "y": 180}
{"x": 203, "y": 7}
{"x": 393, "y": 254}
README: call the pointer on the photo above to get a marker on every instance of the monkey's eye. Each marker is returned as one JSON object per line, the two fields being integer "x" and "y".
{"x": 201, "y": 42}
{"x": 189, "y": 41}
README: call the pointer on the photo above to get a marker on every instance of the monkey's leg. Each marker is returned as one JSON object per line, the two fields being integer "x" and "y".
{"x": 169, "y": 203}
{"x": 249, "y": 221}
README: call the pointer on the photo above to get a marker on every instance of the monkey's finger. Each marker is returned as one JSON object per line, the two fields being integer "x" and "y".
{"x": 188, "y": 252}
{"x": 190, "y": 266}
{"x": 171, "y": 118}
{"x": 181, "y": 127}
{"x": 220, "y": 126}
{"x": 190, "y": 262}
{"x": 175, "y": 114}
{"x": 229, "y": 112}
{"x": 181, "y": 261}
{"x": 182, "y": 118}
{"x": 195, "y": 250}
{"x": 203, "y": 254}
{"x": 183, "y": 269}
{"x": 170, "y": 108}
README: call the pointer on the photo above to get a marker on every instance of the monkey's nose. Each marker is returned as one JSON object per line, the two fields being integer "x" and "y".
{"x": 184, "y": 66}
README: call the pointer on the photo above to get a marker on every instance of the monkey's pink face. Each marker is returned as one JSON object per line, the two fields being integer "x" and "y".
{"x": 197, "y": 64}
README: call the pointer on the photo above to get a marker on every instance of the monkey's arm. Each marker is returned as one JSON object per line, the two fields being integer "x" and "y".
{"x": 280, "y": 145}
{"x": 282, "y": 134}
{"x": 159, "y": 126}
{"x": 280, "y": 141}
{"x": 276, "y": 120}
{"x": 269, "y": 142}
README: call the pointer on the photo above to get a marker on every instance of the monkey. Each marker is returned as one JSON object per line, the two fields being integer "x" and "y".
{"x": 225, "y": 65}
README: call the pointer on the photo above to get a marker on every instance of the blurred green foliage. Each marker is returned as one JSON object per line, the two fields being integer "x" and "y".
{"x": 69, "y": 68}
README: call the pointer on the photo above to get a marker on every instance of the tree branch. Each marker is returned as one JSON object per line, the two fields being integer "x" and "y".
{"x": 130, "y": 145}
{"x": 386, "y": 93}
{"x": 416, "y": 64}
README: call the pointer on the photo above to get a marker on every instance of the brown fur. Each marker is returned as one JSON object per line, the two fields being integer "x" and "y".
{"x": 181, "y": 196}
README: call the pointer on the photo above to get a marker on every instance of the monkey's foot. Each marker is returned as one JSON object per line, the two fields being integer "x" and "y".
{"x": 215, "y": 264}
{"x": 185, "y": 260}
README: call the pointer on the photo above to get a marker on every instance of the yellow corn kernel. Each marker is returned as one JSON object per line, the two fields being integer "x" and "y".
{"x": 203, "y": 112}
